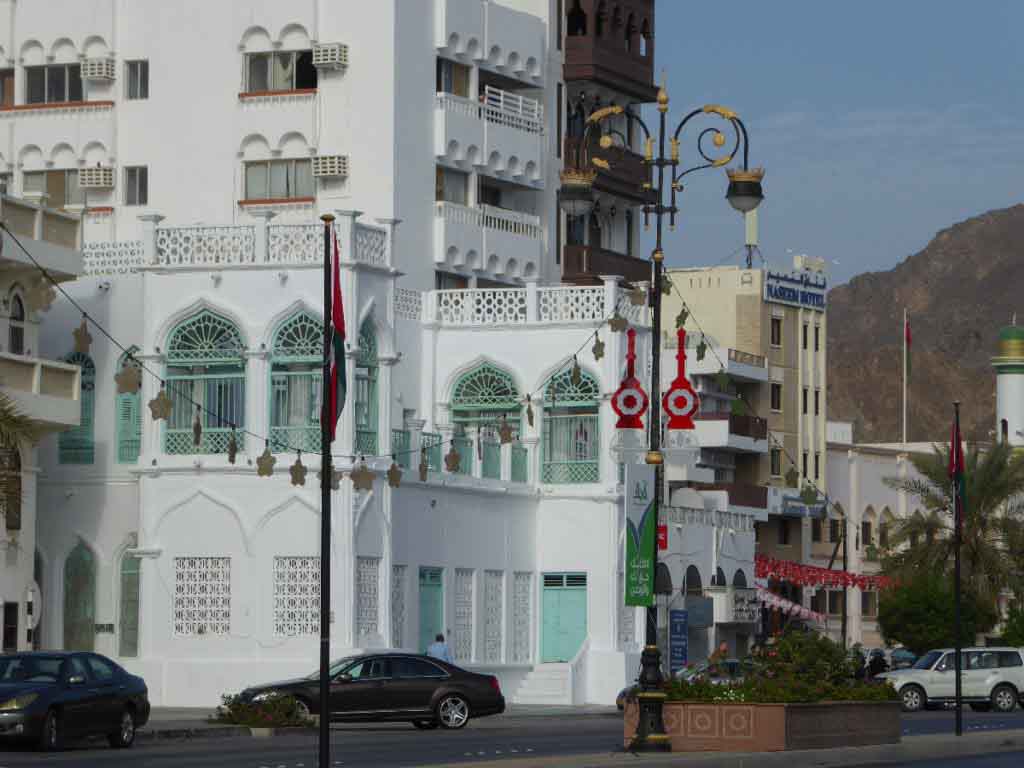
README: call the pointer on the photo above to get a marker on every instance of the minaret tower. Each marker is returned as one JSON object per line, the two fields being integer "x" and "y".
{"x": 1009, "y": 365}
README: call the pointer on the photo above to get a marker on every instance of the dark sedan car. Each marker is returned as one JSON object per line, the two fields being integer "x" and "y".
{"x": 47, "y": 697}
{"x": 403, "y": 687}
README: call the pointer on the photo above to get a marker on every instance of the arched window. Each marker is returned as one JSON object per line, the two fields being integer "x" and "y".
{"x": 128, "y": 628}
{"x": 205, "y": 381}
{"x": 482, "y": 398}
{"x": 739, "y": 579}
{"x": 366, "y": 389}
{"x": 645, "y": 37}
{"x": 629, "y": 32}
{"x": 576, "y": 19}
{"x": 77, "y": 445}
{"x": 80, "y": 599}
{"x": 867, "y": 528}
{"x": 129, "y": 417}
{"x": 16, "y": 327}
{"x": 692, "y": 585}
{"x": 571, "y": 430}
{"x": 296, "y": 378}
{"x": 718, "y": 580}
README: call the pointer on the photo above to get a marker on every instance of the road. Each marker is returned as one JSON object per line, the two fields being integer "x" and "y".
{"x": 395, "y": 745}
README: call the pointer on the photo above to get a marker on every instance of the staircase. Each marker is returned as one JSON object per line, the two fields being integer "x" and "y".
{"x": 546, "y": 684}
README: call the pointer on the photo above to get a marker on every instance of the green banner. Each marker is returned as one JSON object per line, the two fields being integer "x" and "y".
{"x": 641, "y": 534}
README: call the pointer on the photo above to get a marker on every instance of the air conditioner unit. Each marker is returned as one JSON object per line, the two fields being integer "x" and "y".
{"x": 330, "y": 56}
{"x": 330, "y": 165}
{"x": 98, "y": 69}
{"x": 96, "y": 178}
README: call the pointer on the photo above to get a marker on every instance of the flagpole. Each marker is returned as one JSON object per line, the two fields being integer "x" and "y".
{"x": 326, "y": 473}
{"x": 904, "y": 376}
{"x": 957, "y": 525}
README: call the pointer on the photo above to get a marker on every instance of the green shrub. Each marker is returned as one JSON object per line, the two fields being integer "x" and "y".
{"x": 273, "y": 712}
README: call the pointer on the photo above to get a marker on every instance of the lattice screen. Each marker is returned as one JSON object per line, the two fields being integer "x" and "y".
{"x": 296, "y": 596}
{"x": 202, "y": 596}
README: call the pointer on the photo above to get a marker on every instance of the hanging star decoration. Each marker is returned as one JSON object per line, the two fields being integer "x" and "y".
{"x": 702, "y": 348}
{"x": 505, "y": 432}
{"x": 335, "y": 479}
{"x": 394, "y": 474}
{"x": 638, "y": 296}
{"x": 298, "y": 471}
{"x": 682, "y": 317}
{"x": 160, "y": 406}
{"x": 452, "y": 459}
{"x": 83, "y": 339}
{"x": 577, "y": 374}
{"x": 722, "y": 379}
{"x": 129, "y": 378}
{"x": 197, "y": 426}
{"x": 529, "y": 411}
{"x": 362, "y": 477}
{"x": 42, "y": 295}
{"x": 598, "y": 348}
{"x": 232, "y": 446}
{"x": 618, "y": 322}
{"x": 424, "y": 466}
{"x": 666, "y": 286}
{"x": 265, "y": 463}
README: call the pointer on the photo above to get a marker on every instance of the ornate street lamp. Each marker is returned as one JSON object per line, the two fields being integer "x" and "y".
{"x": 744, "y": 193}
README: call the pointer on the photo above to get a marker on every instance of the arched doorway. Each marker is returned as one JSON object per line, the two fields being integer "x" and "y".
{"x": 80, "y": 599}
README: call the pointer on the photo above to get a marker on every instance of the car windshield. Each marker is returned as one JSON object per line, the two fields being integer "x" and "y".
{"x": 926, "y": 661}
{"x": 30, "y": 669}
{"x": 336, "y": 667}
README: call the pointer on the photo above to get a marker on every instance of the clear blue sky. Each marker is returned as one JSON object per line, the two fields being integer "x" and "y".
{"x": 878, "y": 123}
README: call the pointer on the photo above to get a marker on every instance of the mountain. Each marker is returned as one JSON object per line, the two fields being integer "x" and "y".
{"x": 959, "y": 291}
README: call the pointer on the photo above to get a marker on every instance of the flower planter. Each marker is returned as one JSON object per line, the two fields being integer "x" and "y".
{"x": 709, "y": 727}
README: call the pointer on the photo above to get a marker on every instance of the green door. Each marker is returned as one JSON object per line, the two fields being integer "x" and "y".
{"x": 431, "y": 606}
{"x": 563, "y": 616}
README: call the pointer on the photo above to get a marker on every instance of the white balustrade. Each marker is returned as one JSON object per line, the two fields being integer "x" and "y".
{"x": 205, "y": 246}
{"x": 512, "y": 306}
{"x": 500, "y": 219}
{"x": 371, "y": 245}
{"x": 295, "y": 244}
{"x": 112, "y": 258}
{"x": 498, "y": 107}
{"x": 565, "y": 304}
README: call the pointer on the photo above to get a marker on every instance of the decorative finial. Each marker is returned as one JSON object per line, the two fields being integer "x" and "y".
{"x": 662, "y": 94}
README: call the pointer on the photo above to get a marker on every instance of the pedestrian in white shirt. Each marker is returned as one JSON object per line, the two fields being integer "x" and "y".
{"x": 439, "y": 649}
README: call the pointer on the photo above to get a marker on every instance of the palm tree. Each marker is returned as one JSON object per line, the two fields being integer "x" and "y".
{"x": 993, "y": 525}
{"x": 15, "y": 429}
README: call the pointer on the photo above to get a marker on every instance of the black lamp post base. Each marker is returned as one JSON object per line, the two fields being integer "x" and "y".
{"x": 650, "y": 728}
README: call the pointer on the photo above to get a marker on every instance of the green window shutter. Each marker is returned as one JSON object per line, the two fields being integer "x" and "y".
{"x": 366, "y": 405}
{"x": 296, "y": 364}
{"x": 77, "y": 445}
{"x": 129, "y": 428}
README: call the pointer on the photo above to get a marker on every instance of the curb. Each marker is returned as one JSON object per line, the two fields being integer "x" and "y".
{"x": 213, "y": 732}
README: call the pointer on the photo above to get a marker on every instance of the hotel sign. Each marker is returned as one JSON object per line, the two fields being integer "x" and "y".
{"x": 799, "y": 289}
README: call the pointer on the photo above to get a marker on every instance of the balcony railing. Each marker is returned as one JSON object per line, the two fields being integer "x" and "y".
{"x": 587, "y": 262}
{"x": 366, "y": 442}
{"x": 464, "y": 445}
{"x": 491, "y": 217}
{"x": 491, "y": 466}
{"x": 289, "y": 439}
{"x": 213, "y": 440}
{"x": 400, "y": 447}
{"x": 746, "y": 358}
{"x": 627, "y": 172}
{"x": 741, "y": 494}
{"x": 743, "y": 425}
{"x": 431, "y": 444}
{"x": 498, "y": 107}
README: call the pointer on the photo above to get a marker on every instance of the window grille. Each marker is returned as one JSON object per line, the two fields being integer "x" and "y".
{"x": 296, "y": 380}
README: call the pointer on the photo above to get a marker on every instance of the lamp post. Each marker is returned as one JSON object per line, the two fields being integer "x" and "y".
{"x": 744, "y": 193}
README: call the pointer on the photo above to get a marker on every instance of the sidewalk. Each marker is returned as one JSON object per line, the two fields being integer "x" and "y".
{"x": 912, "y": 748}
{"x": 193, "y": 722}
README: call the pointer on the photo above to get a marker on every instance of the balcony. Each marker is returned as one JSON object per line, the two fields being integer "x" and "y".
{"x": 492, "y": 241}
{"x": 46, "y": 391}
{"x": 626, "y": 175}
{"x": 603, "y": 57}
{"x": 586, "y": 264}
{"x": 741, "y": 494}
{"x": 738, "y": 432}
{"x": 502, "y": 135}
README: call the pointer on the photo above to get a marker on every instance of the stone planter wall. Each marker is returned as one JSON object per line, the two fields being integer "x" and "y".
{"x": 703, "y": 727}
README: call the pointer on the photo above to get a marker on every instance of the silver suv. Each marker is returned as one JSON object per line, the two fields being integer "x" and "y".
{"x": 991, "y": 678}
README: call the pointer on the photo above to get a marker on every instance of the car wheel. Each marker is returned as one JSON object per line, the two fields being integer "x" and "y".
{"x": 913, "y": 698}
{"x": 52, "y": 736}
{"x": 124, "y": 736}
{"x": 453, "y": 712}
{"x": 302, "y": 710}
{"x": 980, "y": 707}
{"x": 1004, "y": 698}
{"x": 425, "y": 725}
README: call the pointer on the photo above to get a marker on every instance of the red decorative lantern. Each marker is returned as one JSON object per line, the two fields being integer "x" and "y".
{"x": 630, "y": 401}
{"x": 680, "y": 401}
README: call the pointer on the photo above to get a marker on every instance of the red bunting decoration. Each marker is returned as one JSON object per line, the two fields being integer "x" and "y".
{"x": 812, "y": 576}
{"x": 630, "y": 401}
{"x": 680, "y": 401}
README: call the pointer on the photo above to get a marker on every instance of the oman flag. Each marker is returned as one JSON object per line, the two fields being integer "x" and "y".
{"x": 906, "y": 339}
{"x": 956, "y": 475}
{"x": 336, "y": 395}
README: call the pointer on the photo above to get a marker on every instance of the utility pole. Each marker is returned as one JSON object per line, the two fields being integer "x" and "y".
{"x": 326, "y": 472}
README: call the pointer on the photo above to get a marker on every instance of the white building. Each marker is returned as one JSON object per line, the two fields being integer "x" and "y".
{"x": 43, "y": 390}
{"x": 200, "y": 177}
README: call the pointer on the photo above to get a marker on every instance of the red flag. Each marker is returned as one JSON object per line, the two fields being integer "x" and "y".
{"x": 956, "y": 474}
{"x": 336, "y": 395}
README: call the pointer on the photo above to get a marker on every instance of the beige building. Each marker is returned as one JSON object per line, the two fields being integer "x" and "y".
{"x": 47, "y": 391}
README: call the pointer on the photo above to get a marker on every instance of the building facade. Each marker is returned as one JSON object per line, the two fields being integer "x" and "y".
{"x": 435, "y": 135}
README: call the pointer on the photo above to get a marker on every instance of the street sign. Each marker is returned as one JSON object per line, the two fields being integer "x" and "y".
{"x": 677, "y": 640}
{"x": 641, "y": 524}
{"x": 701, "y": 611}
